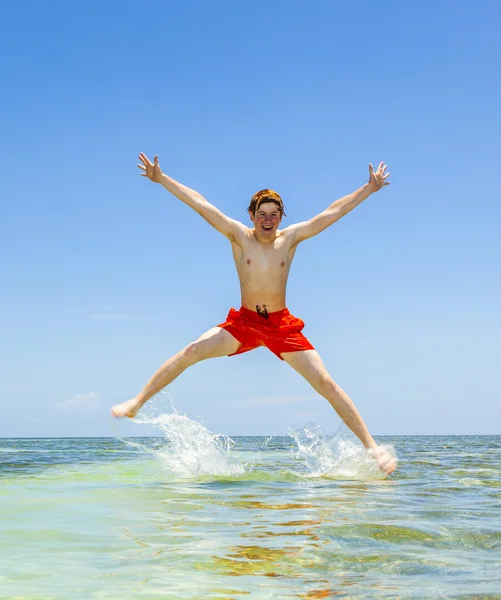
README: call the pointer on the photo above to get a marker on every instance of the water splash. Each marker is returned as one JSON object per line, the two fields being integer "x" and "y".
{"x": 339, "y": 456}
{"x": 189, "y": 449}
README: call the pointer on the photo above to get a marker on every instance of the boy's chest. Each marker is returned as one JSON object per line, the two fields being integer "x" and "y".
{"x": 265, "y": 258}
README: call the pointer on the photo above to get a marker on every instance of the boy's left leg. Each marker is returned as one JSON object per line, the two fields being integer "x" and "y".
{"x": 309, "y": 364}
{"x": 213, "y": 343}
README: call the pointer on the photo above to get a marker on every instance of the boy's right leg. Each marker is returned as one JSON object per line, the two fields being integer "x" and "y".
{"x": 213, "y": 343}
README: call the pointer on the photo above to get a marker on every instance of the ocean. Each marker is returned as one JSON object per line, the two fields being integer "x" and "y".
{"x": 187, "y": 514}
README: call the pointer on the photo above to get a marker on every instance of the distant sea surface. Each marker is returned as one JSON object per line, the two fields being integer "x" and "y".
{"x": 189, "y": 514}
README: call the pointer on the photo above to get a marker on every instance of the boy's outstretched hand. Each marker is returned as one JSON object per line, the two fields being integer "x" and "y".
{"x": 151, "y": 170}
{"x": 377, "y": 179}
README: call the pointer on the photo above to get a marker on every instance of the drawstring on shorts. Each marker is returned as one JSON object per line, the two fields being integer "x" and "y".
{"x": 262, "y": 312}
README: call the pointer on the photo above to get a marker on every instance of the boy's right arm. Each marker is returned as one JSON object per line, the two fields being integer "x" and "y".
{"x": 230, "y": 228}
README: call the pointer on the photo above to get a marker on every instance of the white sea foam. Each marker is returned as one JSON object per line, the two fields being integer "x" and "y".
{"x": 189, "y": 449}
{"x": 340, "y": 456}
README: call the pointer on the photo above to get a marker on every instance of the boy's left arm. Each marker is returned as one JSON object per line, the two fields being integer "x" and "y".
{"x": 339, "y": 208}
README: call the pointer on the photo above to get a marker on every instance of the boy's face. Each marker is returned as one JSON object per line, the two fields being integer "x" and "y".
{"x": 267, "y": 219}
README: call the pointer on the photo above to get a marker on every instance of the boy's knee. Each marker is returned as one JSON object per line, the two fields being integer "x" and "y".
{"x": 324, "y": 383}
{"x": 196, "y": 351}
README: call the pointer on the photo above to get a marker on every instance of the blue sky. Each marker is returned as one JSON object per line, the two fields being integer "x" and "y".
{"x": 105, "y": 275}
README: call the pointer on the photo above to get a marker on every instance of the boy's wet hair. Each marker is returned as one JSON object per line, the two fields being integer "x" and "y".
{"x": 266, "y": 196}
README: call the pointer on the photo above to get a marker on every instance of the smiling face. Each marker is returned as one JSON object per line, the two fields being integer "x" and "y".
{"x": 266, "y": 210}
{"x": 266, "y": 220}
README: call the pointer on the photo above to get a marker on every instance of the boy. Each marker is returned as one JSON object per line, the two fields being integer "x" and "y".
{"x": 263, "y": 255}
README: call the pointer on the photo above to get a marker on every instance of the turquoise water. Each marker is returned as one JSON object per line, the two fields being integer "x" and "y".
{"x": 189, "y": 514}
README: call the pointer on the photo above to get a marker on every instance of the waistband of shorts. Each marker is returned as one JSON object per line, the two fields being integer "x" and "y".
{"x": 247, "y": 312}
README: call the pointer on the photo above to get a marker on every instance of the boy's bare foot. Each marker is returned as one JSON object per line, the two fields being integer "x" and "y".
{"x": 126, "y": 409}
{"x": 386, "y": 462}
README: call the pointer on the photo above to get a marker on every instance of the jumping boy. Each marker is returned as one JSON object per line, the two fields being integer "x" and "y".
{"x": 263, "y": 255}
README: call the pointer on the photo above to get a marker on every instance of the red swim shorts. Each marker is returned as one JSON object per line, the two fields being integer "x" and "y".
{"x": 279, "y": 331}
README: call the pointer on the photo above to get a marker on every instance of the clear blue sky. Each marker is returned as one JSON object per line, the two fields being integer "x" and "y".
{"x": 105, "y": 275}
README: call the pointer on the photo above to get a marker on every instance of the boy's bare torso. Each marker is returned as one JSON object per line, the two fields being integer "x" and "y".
{"x": 263, "y": 269}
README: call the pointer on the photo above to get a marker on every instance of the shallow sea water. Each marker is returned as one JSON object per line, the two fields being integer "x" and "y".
{"x": 189, "y": 514}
